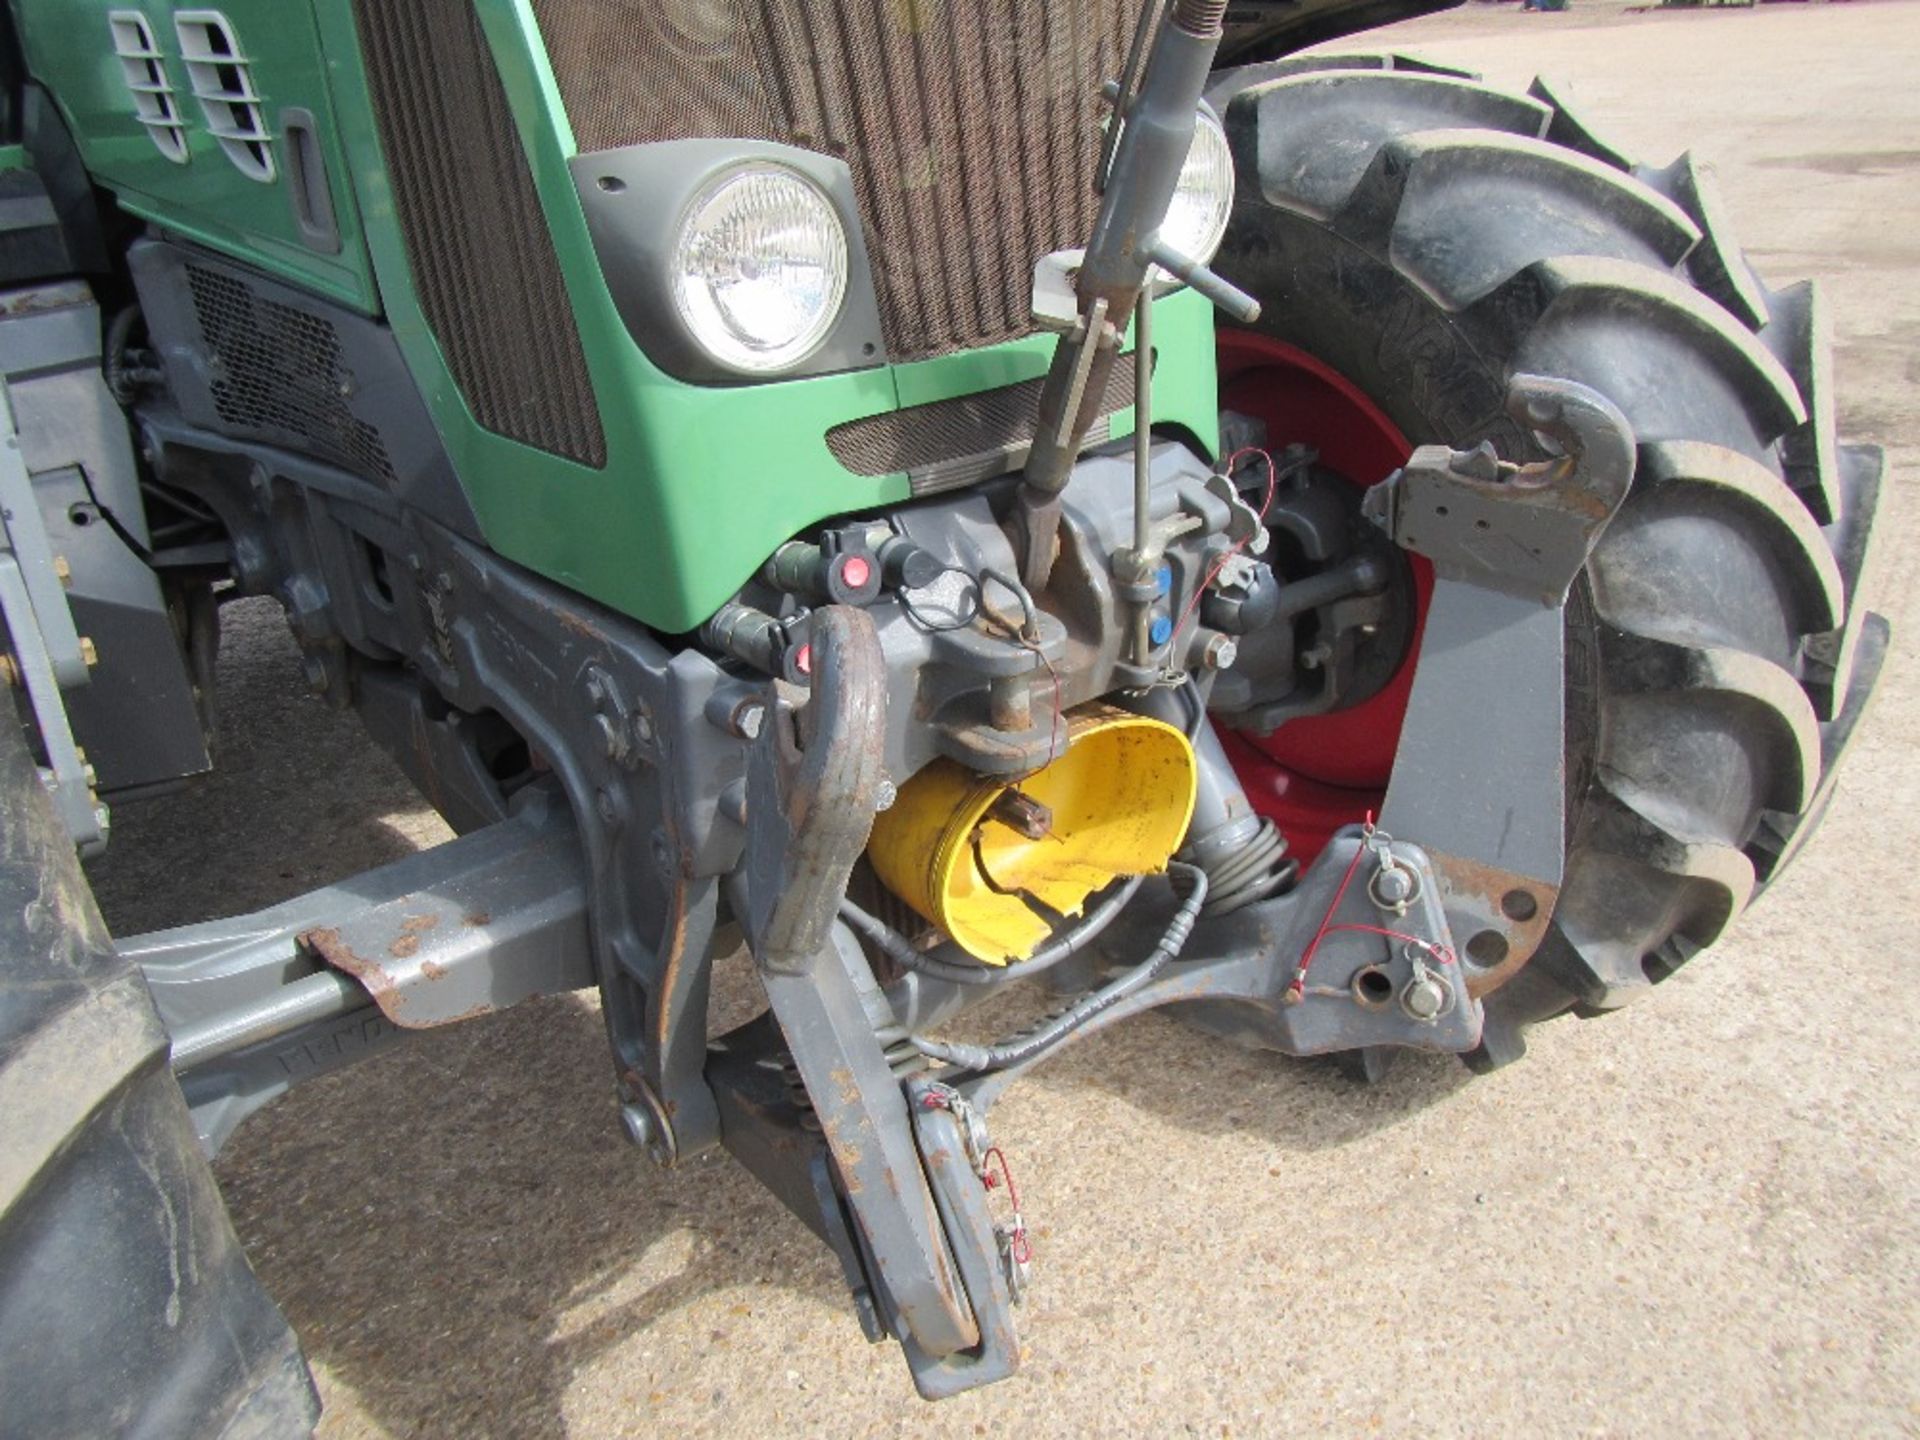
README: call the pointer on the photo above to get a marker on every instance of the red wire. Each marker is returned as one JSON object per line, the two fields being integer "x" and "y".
{"x": 994, "y": 1152}
{"x": 1326, "y": 924}
{"x": 1021, "y": 1247}
{"x": 1439, "y": 952}
{"x": 1327, "y": 927}
{"x": 1273, "y": 482}
{"x": 1053, "y": 730}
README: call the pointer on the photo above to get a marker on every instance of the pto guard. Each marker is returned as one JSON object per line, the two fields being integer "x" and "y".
{"x": 1118, "y": 801}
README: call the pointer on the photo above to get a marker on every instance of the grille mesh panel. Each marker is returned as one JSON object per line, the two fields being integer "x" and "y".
{"x": 481, "y": 255}
{"x": 281, "y": 372}
{"x": 950, "y": 443}
{"x": 971, "y": 126}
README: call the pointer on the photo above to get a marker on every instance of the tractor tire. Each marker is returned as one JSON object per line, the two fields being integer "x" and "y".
{"x": 1426, "y": 237}
{"x": 126, "y": 1305}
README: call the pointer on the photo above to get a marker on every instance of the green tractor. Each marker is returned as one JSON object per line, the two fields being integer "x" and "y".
{"x": 944, "y": 496}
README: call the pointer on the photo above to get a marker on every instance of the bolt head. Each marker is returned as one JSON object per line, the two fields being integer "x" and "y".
{"x": 1221, "y": 652}
{"x": 1393, "y": 887}
{"x": 1424, "y": 999}
{"x": 749, "y": 718}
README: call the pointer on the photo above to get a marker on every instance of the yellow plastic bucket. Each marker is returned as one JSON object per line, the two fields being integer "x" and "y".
{"x": 1120, "y": 797}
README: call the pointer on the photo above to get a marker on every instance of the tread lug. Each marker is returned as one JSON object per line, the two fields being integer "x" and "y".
{"x": 1781, "y": 834}
{"x": 1316, "y": 133}
{"x": 1567, "y": 128}
{"x": 1636, "y": 665}
{"x": 1718, "y": 266}
{"x": 1633, "y": 333}
{"x": 1823, "y": 591}
{"x": 1551, "y": 203}
{"x": 1798, "y": 333}
{"x": 1831, "y": 657}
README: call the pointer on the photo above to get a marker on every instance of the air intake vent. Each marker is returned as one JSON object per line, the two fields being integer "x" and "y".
{"x": 946, "y": 444}
{"x": 280, "y": 374}
{"x": 146, "y": 76}
{"x": 223, "y": 83}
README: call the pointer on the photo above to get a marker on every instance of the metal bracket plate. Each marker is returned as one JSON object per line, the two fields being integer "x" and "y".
{"x": 1480, "y": 776}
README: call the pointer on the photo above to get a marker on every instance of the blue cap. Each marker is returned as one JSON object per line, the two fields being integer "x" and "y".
{"x": 1161, "y": 630}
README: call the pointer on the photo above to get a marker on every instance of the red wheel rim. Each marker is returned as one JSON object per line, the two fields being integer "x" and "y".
{"x": 1316, "y": 774}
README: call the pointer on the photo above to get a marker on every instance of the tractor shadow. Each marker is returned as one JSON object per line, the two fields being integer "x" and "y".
{"x": 1196, "y": 1082}
{"x": 1201, "y": 1084}
{"x": 457, "y": 1228}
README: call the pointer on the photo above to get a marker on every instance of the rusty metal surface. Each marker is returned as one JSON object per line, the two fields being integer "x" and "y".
{"x": 478, "y": 924}
{"x": 479, "y": 939}
{"x": 812, "y": 784}
{"x": 1523, "y": 530}
{"x": 962, "y": 1201}
{"x": 1520, "y": 909}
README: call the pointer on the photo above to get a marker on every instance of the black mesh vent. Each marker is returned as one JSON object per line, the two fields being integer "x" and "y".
{"x": 482, "y": 257}
{"x": 971, "y": 126}
{"x": 280, "y": 372}
{"x": 950, "y": 443}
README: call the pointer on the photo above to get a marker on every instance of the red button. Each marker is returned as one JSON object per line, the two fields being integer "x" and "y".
{"x": 803, "y": 660}
{"x": 856, "y": 571}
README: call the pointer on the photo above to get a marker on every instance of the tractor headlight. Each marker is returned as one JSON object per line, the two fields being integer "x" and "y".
{"x": 760, "y": 268}
{"x": 1203, "y": 198}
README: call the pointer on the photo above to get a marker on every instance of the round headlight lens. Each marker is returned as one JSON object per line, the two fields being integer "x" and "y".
{"x": 760, "y": 268}
{"x": 1203, "y": 198}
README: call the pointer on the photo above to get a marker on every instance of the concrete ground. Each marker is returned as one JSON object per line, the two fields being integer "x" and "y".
{"x": 1701, "y": 1216}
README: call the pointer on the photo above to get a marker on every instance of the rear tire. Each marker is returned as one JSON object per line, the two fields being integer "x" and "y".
{"x": 126, "y": 1305}
{"x": 1427, "y": 238}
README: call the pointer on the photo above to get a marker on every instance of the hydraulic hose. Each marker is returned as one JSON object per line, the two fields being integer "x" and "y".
{"x": 980, "y": 1059}
{"x": 124, "y": 380}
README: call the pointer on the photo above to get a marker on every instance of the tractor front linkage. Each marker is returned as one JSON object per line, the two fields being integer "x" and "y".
{"x": 838, "y": 1098}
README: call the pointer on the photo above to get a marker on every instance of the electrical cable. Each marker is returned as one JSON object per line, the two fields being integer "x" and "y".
{"x": 1298, "y": 988}
{"x": 900, "y": 950}
{"x": 979, "y": 1059}
{"x": 1273, "y": 485}
{"x": 961, "y": 619}
{"x": 1062, "y": 947}
{"x": 1026, "y": 635}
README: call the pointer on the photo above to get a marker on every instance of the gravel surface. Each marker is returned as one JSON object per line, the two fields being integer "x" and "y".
{"x": 1698, "y": 1216}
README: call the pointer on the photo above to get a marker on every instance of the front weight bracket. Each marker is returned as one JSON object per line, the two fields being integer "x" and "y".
{"x": 1480, "y": 776}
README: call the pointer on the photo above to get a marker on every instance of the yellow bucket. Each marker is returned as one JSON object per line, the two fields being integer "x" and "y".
{"x": 1120, "y": 799}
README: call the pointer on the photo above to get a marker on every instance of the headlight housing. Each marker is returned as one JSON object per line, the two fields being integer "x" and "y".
{"x": 759, "y": 270}
{"x": 1203, "y": 198}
